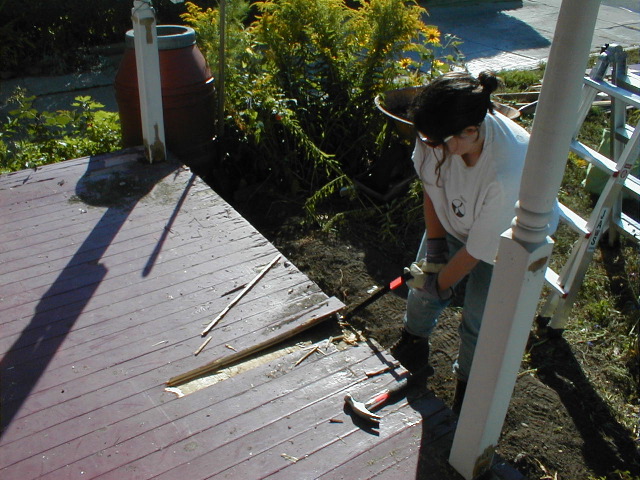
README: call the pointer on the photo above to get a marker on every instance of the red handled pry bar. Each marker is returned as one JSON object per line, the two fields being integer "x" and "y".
{"x": 394, "y": 284}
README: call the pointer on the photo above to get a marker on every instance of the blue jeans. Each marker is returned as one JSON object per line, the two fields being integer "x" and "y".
{"x": 423, "y": 312}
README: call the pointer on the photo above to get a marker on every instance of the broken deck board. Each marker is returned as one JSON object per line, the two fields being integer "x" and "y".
{"x": 111, "y": 268}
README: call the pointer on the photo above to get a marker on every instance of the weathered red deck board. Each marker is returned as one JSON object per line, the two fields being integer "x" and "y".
{"x": 45, "y": 241}
{"x": 231, "y": 389}
{"x": 78, "y": 217}
{"x": 102, "y": 300}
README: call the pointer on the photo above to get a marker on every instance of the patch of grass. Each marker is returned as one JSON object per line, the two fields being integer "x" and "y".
{"x": 521, "y": 80}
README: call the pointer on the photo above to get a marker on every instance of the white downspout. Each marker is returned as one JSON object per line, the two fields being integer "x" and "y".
{"x": 145, "y": 40}
{"x": 525, "y": 248}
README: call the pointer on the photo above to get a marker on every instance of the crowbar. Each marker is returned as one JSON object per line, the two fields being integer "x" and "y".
{"x": 392, "y": 285}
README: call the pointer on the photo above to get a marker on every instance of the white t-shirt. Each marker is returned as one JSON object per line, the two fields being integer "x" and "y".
{"x": 476, "y": 204}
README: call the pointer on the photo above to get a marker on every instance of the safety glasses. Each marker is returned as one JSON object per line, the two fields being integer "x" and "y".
{"x": 461, "y": 135}
{"x": 434, "y": 143}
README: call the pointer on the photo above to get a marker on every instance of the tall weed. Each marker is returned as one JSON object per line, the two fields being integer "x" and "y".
{"x": 301, "y": 81}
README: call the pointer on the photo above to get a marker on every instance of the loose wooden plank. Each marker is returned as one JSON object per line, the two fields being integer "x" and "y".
{"x": 83, "y": 308}
{"x": 88, "y": 376}
{"x": 196, "y": 304}
{"x": 244, "y": 353}
{"x": 234, "y": 331}
{"x": 156, "y": 306}
{"x": 82, "y": 384}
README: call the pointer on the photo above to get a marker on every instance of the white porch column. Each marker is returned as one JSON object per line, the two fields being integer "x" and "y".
{"x": 145, "y": 40}
{"x": 525, "y": 248}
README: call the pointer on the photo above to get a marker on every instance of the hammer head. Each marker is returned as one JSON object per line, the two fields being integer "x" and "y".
{"x": 360, "y": 409}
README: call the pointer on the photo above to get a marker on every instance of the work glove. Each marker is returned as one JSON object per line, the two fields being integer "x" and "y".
{"x": 426, "y": 281}
{"x": 437, "y": 253}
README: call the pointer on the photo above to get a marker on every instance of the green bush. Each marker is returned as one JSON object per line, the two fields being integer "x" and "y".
{"x": 31, "y": 138}
{"x": 301, "y": 80}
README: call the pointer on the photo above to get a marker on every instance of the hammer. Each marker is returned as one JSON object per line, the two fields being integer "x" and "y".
{"x": 365, "y": 410}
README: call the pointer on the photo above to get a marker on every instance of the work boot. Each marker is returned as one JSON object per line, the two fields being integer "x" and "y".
{"x": 458, "y": 397}
{"x": 413, "y": 354}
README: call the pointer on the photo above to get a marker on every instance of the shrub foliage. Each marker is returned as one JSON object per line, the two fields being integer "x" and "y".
{"x": 301, "y": 80}
{"x": 30, "y": 138}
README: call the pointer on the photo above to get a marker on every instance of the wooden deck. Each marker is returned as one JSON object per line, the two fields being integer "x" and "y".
{"x": 110, "y": 269}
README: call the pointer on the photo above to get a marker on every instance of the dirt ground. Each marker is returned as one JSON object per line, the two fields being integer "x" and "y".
{"x": 558, "y": 426}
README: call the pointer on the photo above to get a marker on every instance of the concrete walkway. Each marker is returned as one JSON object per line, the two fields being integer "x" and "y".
{"x": 511, "y": 35}
{"x": 500, "y": 35}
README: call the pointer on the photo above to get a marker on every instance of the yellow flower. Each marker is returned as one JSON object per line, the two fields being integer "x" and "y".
{"x": 405, "y": 62}
{"x": 432, "y": 33}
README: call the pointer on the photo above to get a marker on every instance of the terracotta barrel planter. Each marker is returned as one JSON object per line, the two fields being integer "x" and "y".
{"x": 187, "y": 95}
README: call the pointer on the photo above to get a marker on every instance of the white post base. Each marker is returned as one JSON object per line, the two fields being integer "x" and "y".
{"x": 517, "y": 280}
{"x": 145, "y": 39}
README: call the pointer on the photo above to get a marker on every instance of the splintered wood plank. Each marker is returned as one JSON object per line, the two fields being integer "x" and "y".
{"x": 72, "y": 371}
{"x": 149, "y": 414}
{"x": 141, "y": 404}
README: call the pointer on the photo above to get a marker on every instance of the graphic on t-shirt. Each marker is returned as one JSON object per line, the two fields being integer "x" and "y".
{"x": 457, "y": 206}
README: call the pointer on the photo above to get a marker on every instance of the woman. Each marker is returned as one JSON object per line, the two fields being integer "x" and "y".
{"x": 470, "y": 159}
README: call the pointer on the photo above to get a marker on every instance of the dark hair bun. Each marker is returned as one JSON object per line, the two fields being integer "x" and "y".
{"x": 489, "y": 81}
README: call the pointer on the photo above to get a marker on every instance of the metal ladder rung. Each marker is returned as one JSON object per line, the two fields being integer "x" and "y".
{"x": 603, "y": 163}
{"x": 624, "y": 134}
{"x": 614, "y": 91}
{"x": 632, "y": 184}
{"x": 552, "y": 279}
{"x": 623, "y": 92}
{"x": 630, "y": 82}
{"x": 593, "y": 157}
{"x": 573, "y": 220}
{"x": 628, "y": 226}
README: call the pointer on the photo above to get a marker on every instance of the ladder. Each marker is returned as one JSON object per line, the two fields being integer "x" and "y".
{"x": 624, "y": 91}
